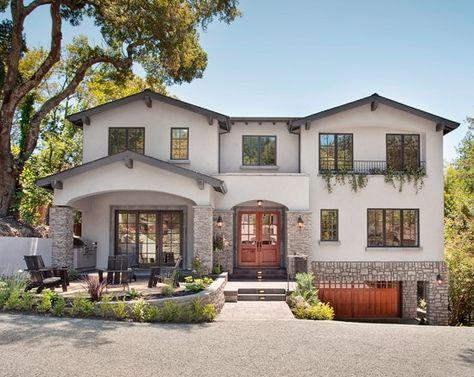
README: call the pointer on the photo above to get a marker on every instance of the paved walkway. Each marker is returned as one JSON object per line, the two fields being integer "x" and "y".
{"x": 38, "y": 346}
{"x": 255, "y": 311}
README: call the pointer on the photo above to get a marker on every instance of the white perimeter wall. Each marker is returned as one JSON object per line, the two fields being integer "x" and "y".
{"x": 12, "y": 250}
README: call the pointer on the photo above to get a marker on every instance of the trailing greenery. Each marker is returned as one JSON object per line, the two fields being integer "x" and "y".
{"x": 358, "y": 181}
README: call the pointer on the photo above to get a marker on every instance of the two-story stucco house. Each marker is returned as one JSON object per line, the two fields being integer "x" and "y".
{"x": 161, "y": 177}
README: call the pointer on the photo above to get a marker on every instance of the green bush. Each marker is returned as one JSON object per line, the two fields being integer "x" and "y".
{"x": 171, "y": 312}
{"x": 59, "y": 306}
{"x": 82, "y": 306}
{"x": 167, "y": 290}
{"x": 319, "y": 311}
{"x": 13, "y": 301}
{"x": 105, "y": 307}
{"x": 152, "y": 314}
{"x": 216, "y": 269}
{"x": 48, "y": 298}
{"x": 73, "y": 274}
{"x": 196, "y": 285}
{"x": 11, "y": 288}
{"x": 133, "y": 294}
{"x": 209, "y": 313}
{"x": 28, "y": 300}
{"x": 139, "y": 310}
{"x": 305, "y": 291}
{"x": 120, "y": 309}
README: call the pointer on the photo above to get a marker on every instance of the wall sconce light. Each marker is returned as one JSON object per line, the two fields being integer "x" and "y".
{"x": 219, "y": 222}
{"x": 259, "y": 203}
{"x": 300, "y": 223}
{"x": 439, "y": 279}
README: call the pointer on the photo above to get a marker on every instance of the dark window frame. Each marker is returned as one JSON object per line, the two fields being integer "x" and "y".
{"x": 384, "y": 228}
{"x": 259, "y": 154}
{"x": 335, "y": 149}
{"x": 126, "y": 137}
{"x": 171, "y": 144}
{"x": 402, "y": 146}
{"x": 321, "y": 224}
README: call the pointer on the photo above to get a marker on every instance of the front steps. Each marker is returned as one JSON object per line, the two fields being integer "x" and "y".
{"x": 244, "y": 291}
{"x": 259, "y": 274}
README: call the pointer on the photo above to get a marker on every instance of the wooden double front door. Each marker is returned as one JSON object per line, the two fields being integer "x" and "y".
{"x": 259, "y": 235}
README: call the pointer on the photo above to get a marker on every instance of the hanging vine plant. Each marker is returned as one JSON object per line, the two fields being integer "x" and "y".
{"x": 359, "y": 181}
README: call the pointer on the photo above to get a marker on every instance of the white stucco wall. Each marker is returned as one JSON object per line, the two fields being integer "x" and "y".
{"x": 286, "y": 149}
{"x": 98, "y": 221}
{"x": 12, "y": 250}
{"x": 117, "y": 177}
{"x": 369, "y": 129}
{"x": 157, "y": 121}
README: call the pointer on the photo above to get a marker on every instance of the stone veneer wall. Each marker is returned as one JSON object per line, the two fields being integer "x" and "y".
{"x": 202, "y": 225}
{"x": 406, "y": 272}
{"x": 298, "y": 241}
{"x": 214, "y": 294}
{"x": 61, "y": 223}
{"x": 225, "y": 257}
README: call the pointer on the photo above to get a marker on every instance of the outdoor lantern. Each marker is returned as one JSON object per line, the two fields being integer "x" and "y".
{"x": 439, "y": 279}
{"x": 219, "y": 222}
{"x": 259, "y": 203}
{"x": 300, "y": 223}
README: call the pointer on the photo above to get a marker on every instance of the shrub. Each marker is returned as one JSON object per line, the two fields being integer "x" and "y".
{"x": 197, "y": 266}
{"x": 59, "y": 306}
{"x": 216, "y": 269}
{"x": 167, "y": 290}
{"x": 28, "y": 300}
{"x": 133, "y": 294}
{"x": 152, "y": 314}
{"x": 207, "y": 280}
{"x": 105, "y": 307}
{"x": 139, "y": 310}
{"x": 318, "y": 311}
{"x": 73, "y": 274}
{"x": 209, "y": 313}
{"x": 203, "y": 313}
{"x": 82, "y": 306}
{"x": 13, "y": 301}
{"x": 11, "y": 286}
{"x": 196, "y": 285}
{"x": 305, "y": 291}
{"x": 120, "y": 309}
{"x": 94, "y": 287}
{"x": 46, "y": 303}
{"x": 171, "y": 312}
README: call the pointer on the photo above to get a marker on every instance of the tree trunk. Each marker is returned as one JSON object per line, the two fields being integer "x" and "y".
{"x": 8, "y": 170}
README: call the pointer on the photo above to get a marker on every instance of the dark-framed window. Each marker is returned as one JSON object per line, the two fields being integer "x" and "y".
{"x": 393, "y": 227}
{"x": 403, "y": 151}
{"x": 336, "y": 151}
{"x": 258, "y": 150}
{"x": 329, "y": 225}
{"x": 126, "y": 138}
{"x": 179, "y": 149}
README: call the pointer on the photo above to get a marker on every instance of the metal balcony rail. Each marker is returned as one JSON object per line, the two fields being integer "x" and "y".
{"x": 371, "y": 167}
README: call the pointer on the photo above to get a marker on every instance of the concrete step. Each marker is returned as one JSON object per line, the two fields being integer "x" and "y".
{"x": 261, "y": 297}
{"x": 259, "y": 274}
{"x": 261, "y": 291}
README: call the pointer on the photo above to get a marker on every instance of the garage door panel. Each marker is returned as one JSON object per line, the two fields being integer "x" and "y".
{"x": 360, "y": 300}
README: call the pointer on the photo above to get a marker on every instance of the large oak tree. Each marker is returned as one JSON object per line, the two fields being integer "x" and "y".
{"x": 160, "y": 35}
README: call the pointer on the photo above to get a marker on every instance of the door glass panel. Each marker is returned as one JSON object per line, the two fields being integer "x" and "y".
{"x": 147, "y": 238}
{"x": 248, "y": 229}
{"x": 126, "y": 237}
{"x": 411, "y": 151}
{"x": 171, "y": 236}
{"x": 394, "y": 152}
{"x": 392, "y": 227}
{"x": 269, "y": 229}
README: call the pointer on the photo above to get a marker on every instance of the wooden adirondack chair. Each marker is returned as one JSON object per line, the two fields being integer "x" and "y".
{"x": 43, "y": 276}
{"x": 161, "y": 273}
{"x": 118, "y": 271}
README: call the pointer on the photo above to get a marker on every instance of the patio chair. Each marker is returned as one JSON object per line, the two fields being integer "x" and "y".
{"x": 118, "y": 272}
{"x": 161, "y": 273}
{"x": 43, "y": 276}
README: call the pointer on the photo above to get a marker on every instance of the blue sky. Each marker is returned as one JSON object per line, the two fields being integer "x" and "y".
{"x": 293, "y": 58}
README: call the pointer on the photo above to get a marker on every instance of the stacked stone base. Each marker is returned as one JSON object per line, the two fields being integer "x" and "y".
{"x": 408, "y": 273}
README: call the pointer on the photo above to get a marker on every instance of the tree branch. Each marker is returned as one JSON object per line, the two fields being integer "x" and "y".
{"x": 52, "y": 58}
{"x": 54, "y": 101}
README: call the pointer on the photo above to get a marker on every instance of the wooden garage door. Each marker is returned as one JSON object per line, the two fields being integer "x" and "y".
{"x": 362, "y": 300}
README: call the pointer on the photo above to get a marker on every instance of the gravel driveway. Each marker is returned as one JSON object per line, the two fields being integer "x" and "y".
{"x": 41, "y": 346}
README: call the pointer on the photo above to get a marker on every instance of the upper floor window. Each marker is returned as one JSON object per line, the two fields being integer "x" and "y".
{"x": 329, "y": 225}
{"x": 335, "y": 152}
{"x": 403, "y": 151}
{"x": 122, "y": 139}
{"x": 392, "y": 227}
{"x": 179, "y": 144}
{"x": 258, "y": 150}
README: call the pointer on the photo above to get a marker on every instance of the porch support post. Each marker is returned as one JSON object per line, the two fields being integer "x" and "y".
{"x": 437, "y": 299}
{"x": 61, "y": 222}
{"x": 225, "y": 257}
{"x": 202, "y": 224}
{"x": 409, "y": 303}
{"x": 298, "y": 240}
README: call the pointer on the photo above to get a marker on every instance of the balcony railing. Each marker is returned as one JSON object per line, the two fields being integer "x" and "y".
{"x": 368, "y": 167}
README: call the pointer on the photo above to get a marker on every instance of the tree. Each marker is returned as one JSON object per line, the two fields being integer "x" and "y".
{"x": 162, "y": 36}
{"x": 459, "y": 231}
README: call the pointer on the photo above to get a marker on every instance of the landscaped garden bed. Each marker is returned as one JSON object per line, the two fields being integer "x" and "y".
{"x": 198, "y": 301}
{"x": 304, "y": 301}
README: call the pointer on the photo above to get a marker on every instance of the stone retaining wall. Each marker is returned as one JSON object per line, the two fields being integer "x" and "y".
{"x": 408, "y": 273}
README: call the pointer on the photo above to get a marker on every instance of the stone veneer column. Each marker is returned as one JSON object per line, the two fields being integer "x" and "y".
{"x": 225, "y": 257}
{"x": 61, "y": 223}
{"x": 409, "y": 299}
{"x": 202, "y": 224}
{"x": 298, "y": 241}
{"x": 437, "y": 302}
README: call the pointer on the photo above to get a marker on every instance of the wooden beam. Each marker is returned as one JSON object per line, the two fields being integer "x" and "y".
{"x": 128, "y": 162}
{"x": 307, "y": 126}
{"x": 148, "y": 101}
{"x": 200, "y": 184}
{"x": 374, "y": 105}
{"x": 439, "y": 127}
{"x": 86, "y": 120}
{"x": 58, "y": 185}
{"x": 210, "y": 120}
